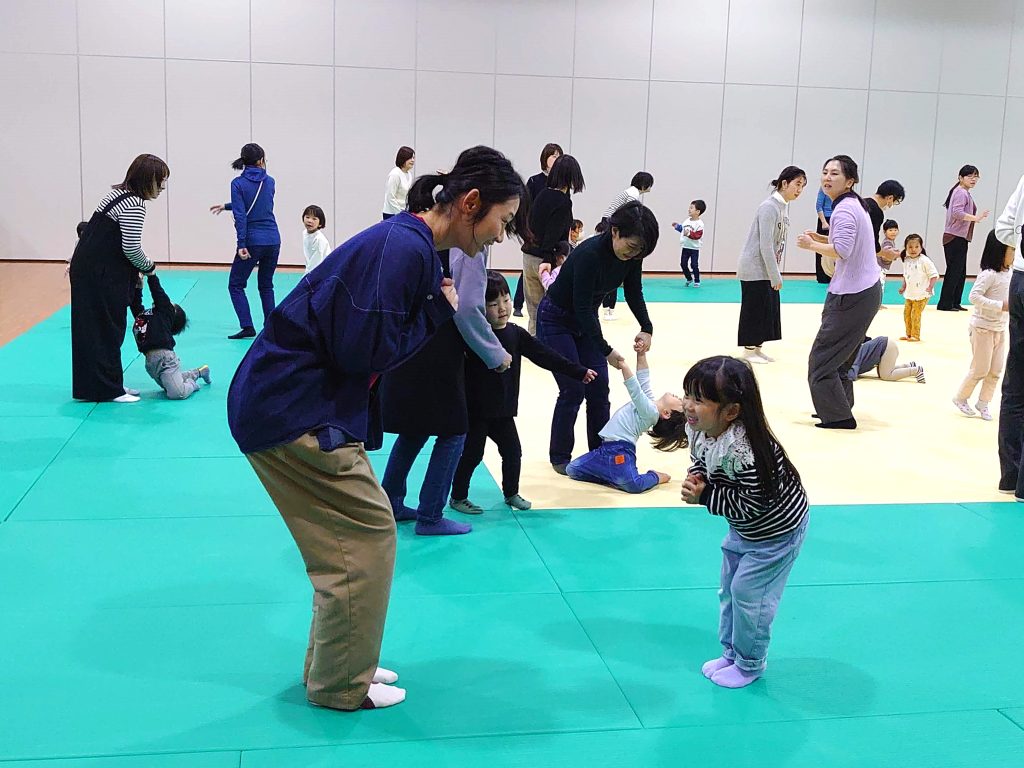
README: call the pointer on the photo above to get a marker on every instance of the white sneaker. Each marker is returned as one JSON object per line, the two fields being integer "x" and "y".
{"x": 964, "y": 408}
{"x": 130, "y": 391}
{"x": 763, "y": 356}
{"x": 126, "y": 398}
{"x": 983, "y": 411}
{"x": 752, "y": 356}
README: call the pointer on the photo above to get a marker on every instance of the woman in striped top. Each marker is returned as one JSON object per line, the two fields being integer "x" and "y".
{"x": 104, "y": 271}
{"x": 742, "y": 473}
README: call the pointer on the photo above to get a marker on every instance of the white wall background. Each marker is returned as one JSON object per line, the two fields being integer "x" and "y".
{"x": 713, "y": 97}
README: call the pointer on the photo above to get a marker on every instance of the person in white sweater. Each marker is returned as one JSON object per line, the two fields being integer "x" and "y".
{"x": 315, "y": 245}
{"x": 990, "y": 297}
{"x": 919, "y": 278}
{"x": 396, "y": 188}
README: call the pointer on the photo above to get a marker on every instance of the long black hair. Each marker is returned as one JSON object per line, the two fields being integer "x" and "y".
{"x": 994, "y": 255}
{"x": 726, "y": 380}
{"x": 483, "y": 169}
{"x": 251, "y": 154}
{"x": 967, "y": 170}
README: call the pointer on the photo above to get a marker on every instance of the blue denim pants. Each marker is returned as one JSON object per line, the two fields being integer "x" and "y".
{"x": 614, "y": 464}
{"x": 437, "y": 483}
{"x": 754, "y": 574}
{"x": 265, "y": 258}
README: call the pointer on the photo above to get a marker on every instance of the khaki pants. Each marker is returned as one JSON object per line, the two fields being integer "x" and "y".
{"x": 912, "y": 311}
{"x": 532, "y": 287}
{"x": 989, "y": 349}
{"x": 343, "y": 525}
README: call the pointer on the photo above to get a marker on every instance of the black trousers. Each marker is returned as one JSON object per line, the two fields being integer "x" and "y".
{"x": 520, "y": 298}
{"x": 689, "y": 259}
{"x": 608, "y": 302}
{"x": 1011, "y": 409}
{"x": 505, "y": 435}
{"x": 956, "y": 273}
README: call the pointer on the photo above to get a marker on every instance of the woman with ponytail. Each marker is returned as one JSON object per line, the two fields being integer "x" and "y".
{"x": 961, "y": 216}
{"x": 258, "y": 239}
{"x": 303, "y": 405}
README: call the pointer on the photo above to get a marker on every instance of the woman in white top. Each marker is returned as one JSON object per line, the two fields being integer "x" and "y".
{"x": 396, "y": 189}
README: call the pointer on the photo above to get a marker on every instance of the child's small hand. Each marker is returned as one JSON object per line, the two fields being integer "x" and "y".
{"x": 615, "y": 360}
{"x": 544, "y": 268}
{"x": 448, "y": 289}
{"x": 216, "y": 210}
{"x": 902, "y": 289}
{"x": 663, "y": 477}
{"x": 693, "y": 487}
{"x": 589, "y": 376}
{"x": 931, "y": 291}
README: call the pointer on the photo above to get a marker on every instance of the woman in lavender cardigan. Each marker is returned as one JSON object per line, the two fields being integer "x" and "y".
{"x": 961, "y": 216}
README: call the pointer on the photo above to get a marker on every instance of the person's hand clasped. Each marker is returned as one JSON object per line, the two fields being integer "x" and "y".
{"x": 805, "y": 241}
{"x": 642, "y": 342}
{"x": 243, "y": 253}
{"x": 448, "y": 289}
{"x": 589, "y": 376}
{"x": 615, "y": 360}
{"x": 693, "y": 487}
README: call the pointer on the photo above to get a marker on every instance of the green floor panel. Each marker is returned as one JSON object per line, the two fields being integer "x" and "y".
{"x": 27, "y": 446}
{"x": 600, "y": 549}
{"x": 950, "y": 740}
{"x": 227, "y": 677}
{"x": 100, "y": 488}
{"x": 837, "y": 651}
{"x": 1016, "y": 715}
{"x": 177, "y": 760}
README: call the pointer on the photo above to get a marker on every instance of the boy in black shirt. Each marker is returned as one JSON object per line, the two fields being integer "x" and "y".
{"x": 492, "y": 399}
{"x": 154, "y": 332}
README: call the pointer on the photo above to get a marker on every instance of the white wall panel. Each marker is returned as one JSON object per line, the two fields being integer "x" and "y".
{"x": 976, "y": 48}
{"x": 224, "y": 25}
{"x": 293, "y": 120}
{"x": 288, "y": 32}
{"x": 757, "y": 142}
{"x": 39, "y": 149}
{"x": 613, "y": 39}
{"x": 548, "y": 25}
{"x": 1011, "y": 163}
{"x": 116, "y": 28}
{"x": 456, "y": 36}
{"x": 208, "y": 121}
{"x": 825, "y": 24}
{"x": 907, "y": 50}
{"x": 117, "y": 125}
{"x": 1015, "y": 86}
{"x": 375, "y": 34}
{"x": 689, "y": 41}
{"x": 38, "y": 26}
{"x": 453, "y": 111}
{"x": 764, "y": 42}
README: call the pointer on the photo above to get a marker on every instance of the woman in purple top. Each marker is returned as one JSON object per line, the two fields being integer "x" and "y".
{"x": 853, "y": 295}
{"x": 961, "y": 216}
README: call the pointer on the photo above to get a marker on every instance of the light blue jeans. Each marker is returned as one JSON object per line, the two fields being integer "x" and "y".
{"x": 754, "y": 573}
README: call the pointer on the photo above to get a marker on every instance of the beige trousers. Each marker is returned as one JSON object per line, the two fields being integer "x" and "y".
{"x": 533, "y": 288}
{"x": 987, "y": 363}
{"x": 342, "y": 522}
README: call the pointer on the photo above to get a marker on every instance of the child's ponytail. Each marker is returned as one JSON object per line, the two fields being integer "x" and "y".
{"x": 251, "y": 154}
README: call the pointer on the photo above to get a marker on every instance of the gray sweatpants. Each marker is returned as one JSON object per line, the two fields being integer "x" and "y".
{"x": 844, "y": 322}
{"x": 165, "y": 368}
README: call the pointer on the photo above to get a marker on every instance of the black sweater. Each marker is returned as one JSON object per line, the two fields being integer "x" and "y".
{"x": 152, "y": 329}
{"x": 536, "y": 184}
{"x": 493, "y": 395}
{"x": 550, "y": 222}
{"x": 588, "y": 275}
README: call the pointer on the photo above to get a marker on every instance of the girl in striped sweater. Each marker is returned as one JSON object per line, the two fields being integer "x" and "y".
{"x": 741, "y": 472}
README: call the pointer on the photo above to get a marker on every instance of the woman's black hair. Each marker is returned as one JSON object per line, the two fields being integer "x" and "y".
{"x": 566, "y": 173}
{"x": 891, "y": 188}
{"x": 789, "y": 173}
{"x": 562, "y": 248}
{"x": 889, "y": 224}
{"x": 251, "y": 154}
{"x": 548, "y": 151}
{"x": 144, "y": 177}
{"x": 483, "y": 169}
{"x": 497, "y": 286}
{"x": 634, "y": 219}
{"x": 180, "y": 320}
{"x": 907, "y": 239}
{"x": 405, "y": 154}
{"x": 670, "y": 434}
{"x": 577, "y": 224}
{"x": 850, "y": 171}
{"x": 642, "y": 180}
{"x": 726, "y": 380}
{"x": 316, "y": 210}
{"x": 993, "y": 256}
{"x": 967, "y": 170}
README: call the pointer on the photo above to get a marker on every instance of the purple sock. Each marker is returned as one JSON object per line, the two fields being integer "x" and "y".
{"x": 442, "y": 527}
{"x": 734, "y": 677}
{"x": 710, "y": 667}
{"x": 404, "y": 513}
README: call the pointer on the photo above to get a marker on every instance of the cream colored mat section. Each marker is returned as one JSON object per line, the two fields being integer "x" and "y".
{"x": 912, "y": 444}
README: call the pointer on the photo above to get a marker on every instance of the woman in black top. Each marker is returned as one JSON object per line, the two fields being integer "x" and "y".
{"x": 534, "y": 185}
{"x": 567, "y": 320}
{"x": 550, "y": 222}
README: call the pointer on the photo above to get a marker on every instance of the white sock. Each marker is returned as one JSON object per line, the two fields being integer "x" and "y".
{"x": 381, "y": 695}
{"x": 385, "y": 676}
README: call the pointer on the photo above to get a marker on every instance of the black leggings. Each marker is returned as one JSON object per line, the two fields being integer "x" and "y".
{"x": 956, "y": 273}
{"x": 505, "y": 435}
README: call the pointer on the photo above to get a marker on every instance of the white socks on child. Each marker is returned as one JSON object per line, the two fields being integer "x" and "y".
{"x": 385, "y": 676}
{"x": 381, "y": 695}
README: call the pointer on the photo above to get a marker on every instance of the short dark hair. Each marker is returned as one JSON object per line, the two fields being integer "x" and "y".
{"x": 634, "y": 219}
{"x": 642, "y": 180}
{"x": 497, "y": 285}
{"x": 144, "y": 177}
{"x": 316, "y": 210}
{"x": 485, "y": 170}
{"x": 891, "y": 187}
{"x": 562, "y": 248}
{"x": 700, "y": 205}
{"x": 548, "y": 151}
{"x": 180, "y": 320}
{"x": 577, "y": 224}
{"x": 250, "y": 154}
{"x": 889, "y": 224}
{"x": 81, "y": 228}
{"x": 405, "y": 154}
{"x": 994, "y": 254}
{"x": 566, "y": 172}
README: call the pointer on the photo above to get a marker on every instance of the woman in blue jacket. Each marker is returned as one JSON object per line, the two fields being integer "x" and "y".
{"x": 258, "y": 239}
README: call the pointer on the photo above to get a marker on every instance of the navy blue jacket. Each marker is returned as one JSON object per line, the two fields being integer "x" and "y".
{"x": 259, "y": 227}
{"x": 372, "y": 303}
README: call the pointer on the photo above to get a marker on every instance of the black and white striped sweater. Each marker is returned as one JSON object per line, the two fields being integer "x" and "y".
{"x": 130, "y": 215}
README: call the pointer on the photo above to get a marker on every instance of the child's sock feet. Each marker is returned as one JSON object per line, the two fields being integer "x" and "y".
{"x": 734, "y": 677}
{"x": 465, "y": 506}
{"x": 381, "y": 695}
{"x": 385, "y": 676}
{"x": 963, "y": 407}
{"x": 204, "y": 373}
{"x": 710, "y": 667}
{"x": 403, "y": 513}
{"x": 983, "y": 411}
{"x": 518, "y": 502}
{"x": 442, "y": 527}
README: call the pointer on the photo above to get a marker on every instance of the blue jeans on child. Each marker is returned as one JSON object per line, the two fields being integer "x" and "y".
{"x": 688, "y": 260}
{"x": 754, "y": 574}
{"x": 437, "y": 483}
{"x": 614, "y": 464}
{"x": 262, "y": 256}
